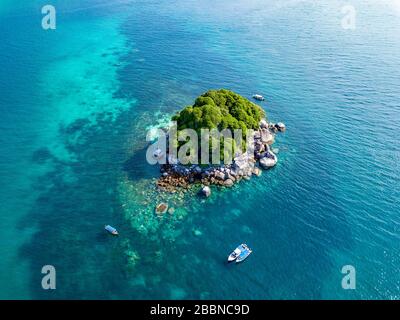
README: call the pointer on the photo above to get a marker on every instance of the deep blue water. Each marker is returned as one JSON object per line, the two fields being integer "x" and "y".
{"x": 76, "y": 104}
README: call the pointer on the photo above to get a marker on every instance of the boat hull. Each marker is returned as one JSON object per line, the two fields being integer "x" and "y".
{"x": 230, "y": 258}
{"x": 238, "y": 252}
{"x": 111, "y": 230}
{"x": 243, "y": 256}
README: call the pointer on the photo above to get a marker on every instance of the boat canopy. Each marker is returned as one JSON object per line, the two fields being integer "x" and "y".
{"x": 110, "y": 229}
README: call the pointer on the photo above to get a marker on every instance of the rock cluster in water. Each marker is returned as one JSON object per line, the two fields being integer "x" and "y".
{"x": 242, "y": 167}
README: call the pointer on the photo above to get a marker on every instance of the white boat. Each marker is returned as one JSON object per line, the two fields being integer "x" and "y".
{"x": 244, "y": 254}
{"x": 111, "y": 230}
{"x": 258, "y": 97}
{"x": 237, "y": 252}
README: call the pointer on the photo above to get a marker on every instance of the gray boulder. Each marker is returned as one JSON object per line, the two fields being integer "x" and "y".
{"x": 280, "y": 126}
{"x": 220, "y": 175}
{"x": 197, "y": 169}
{"x": 267, "y": 162}
{"x": 256, "y": 171}
{"x": 228, "y": 183}
{"x": 267, "y": 137}
{"x": 263, "y": 124}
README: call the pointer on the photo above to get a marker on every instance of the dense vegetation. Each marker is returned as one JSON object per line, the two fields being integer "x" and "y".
{"x": 220, "y": 109}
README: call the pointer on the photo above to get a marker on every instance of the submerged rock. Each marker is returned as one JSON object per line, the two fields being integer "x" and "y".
{"x": 256, "y": 171}
{"x": 206, "y": 191}
{"x": 161, "y": 208}
{"x": 132, "y": 258}
{"x": 197, "y": 232}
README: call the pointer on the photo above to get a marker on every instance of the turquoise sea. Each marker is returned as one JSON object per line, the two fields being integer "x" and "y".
{"x": 76, "y": 104}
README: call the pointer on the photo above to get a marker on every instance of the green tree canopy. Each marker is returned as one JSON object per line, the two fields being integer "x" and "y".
{"x": 220, "y": 109}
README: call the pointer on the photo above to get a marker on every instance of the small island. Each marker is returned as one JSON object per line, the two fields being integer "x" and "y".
{"x": 221, "y": 111}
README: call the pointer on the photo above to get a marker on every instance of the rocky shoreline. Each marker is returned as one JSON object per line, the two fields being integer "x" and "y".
{"x": 243, "y": 167}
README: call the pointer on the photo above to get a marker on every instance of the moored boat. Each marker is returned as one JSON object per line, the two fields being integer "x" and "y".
{"x": 244, "y": 254}
{"x": 240, "y": 253}
{"x": 111, "y": 230}
{"x": 258, "y": 97}
{"x": 235, "y": 253}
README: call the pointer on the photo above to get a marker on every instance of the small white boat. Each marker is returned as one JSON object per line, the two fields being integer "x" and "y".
{"x": 240, "y": 253}
{"x": 235, "y": 253}
{"x": 111, "y": 230}
{"x": 244, "y": 254}
{"x": 258, "y": 97}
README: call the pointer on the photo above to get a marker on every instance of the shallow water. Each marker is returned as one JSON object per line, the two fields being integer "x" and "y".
{"x": 77, "y": 103}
